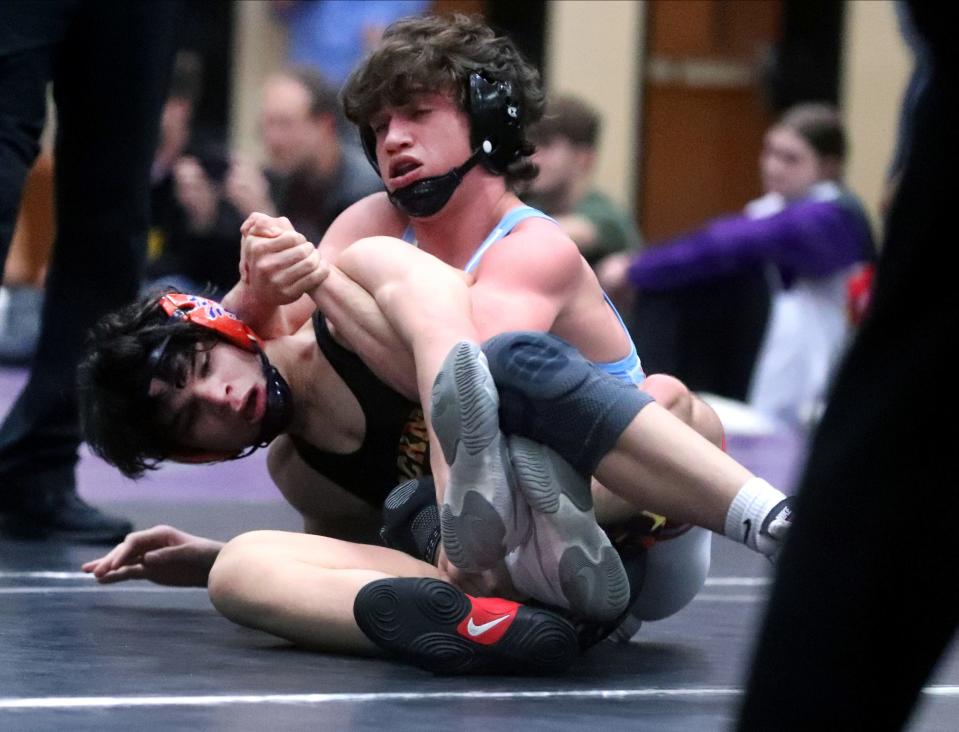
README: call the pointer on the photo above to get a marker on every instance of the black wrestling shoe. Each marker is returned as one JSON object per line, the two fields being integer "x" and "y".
{"x": 411, "y": 519}
{"x": 60, "y": 515}
{"x": 437, "y": 627}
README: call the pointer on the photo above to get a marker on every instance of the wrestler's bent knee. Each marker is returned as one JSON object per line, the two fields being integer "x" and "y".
{"x": 551, "y": 394}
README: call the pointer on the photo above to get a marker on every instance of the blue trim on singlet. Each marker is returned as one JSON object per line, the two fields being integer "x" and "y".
{"x": 627, "y": 368}
{"x": 504, "y": 227}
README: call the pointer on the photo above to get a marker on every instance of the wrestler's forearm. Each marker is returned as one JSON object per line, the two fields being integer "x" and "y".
{"x": 267, "y": 320}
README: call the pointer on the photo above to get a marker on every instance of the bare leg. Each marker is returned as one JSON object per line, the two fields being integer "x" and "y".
{"x": 425, "y": 301}
{"x": 302, "y": 587}
{"x": 664, "y": 464}
{"x": 636, "y": 448}
{"x": 428, "y": 304}
{"x": 330, "y": 595}
{"x": 674, "y": 396}
{"x": 667, "y": 467}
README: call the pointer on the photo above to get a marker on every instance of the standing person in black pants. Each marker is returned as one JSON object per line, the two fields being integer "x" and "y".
{"x": 865, "y": 600}
{"x": 109, "y": 61}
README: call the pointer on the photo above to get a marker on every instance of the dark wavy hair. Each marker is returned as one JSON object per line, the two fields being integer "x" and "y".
{"x": 819, "y": 124}
{"x": 571, "y": 118}
{"x": 437, "y": 53}
{"x": 118, "y": 418}
{"x": 323, "y": 98}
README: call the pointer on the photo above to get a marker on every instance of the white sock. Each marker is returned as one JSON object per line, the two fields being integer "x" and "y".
{"x": 748, "y": 510}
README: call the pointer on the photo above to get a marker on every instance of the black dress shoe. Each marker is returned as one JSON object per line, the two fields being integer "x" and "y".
{"x": 61, "y": 515}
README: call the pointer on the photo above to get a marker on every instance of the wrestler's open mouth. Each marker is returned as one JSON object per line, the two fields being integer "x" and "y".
{"x": 404, "y": 171}
{"x": 404, "y": 168}
{"x": 253, "y": 405}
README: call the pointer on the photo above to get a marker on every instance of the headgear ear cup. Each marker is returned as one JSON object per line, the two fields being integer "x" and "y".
{"x": 496, "y": 121}
{"x": 213, "y": 316}
{"x": 368, "y": 143}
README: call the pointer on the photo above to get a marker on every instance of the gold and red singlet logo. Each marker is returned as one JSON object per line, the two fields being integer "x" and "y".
{"x": 413, "y": 451}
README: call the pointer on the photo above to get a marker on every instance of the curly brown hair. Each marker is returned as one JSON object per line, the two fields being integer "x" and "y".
{"x": 434, "y": 53}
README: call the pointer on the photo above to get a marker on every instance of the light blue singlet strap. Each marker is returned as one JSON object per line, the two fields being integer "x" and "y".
{"x": 628, "y": 368}
{"x": 504, "y": 227}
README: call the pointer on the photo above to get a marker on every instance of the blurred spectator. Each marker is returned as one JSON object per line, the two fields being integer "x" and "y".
{"x": 566, "y": 140}
{"x": 809, "y": 325}
{"x": 312, "y": 175}
{"x": 332, "y": 35}
{"x": 194, "y": 237}
{"x": 21, "y": 296}
{"x": 109, "y": 64}
{"x": 808, "y": 233}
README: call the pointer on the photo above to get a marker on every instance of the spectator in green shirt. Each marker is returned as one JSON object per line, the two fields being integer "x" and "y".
{"x": 566, "y": 143}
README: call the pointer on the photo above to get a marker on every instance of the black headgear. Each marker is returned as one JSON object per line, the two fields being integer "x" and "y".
{"x": 496, "y": 136}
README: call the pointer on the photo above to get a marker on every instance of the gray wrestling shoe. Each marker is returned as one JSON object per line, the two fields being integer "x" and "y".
{"x": 482, "y": 517}
{"x": 568, "y": 560}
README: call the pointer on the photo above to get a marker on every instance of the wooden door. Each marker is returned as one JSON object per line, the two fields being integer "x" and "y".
{"x": 704, "y": 113}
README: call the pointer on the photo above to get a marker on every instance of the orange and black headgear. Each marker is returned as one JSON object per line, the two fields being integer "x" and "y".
{"x": 211, "y": 315}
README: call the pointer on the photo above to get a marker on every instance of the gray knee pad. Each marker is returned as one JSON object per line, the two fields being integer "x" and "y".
{"x": 551, "y": 394}
{"x": 676, "y": 571}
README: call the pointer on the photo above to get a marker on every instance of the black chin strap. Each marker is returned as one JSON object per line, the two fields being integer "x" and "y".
{"x": 427, "y": 196}
{"x": 279, "y": 408}
{"x": 279, "y": 403}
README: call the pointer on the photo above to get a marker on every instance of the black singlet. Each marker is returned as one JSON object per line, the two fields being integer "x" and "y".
{"x": 395, "y": 444}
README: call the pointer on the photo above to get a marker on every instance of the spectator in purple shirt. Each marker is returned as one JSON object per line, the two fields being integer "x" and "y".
{"x": 807, "y": 234}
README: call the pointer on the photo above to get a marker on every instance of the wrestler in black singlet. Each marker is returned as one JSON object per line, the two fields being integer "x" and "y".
{"x": 395, "y": 443}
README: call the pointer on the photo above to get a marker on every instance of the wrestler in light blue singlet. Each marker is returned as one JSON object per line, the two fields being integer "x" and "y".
{"x": 627, "y": 368}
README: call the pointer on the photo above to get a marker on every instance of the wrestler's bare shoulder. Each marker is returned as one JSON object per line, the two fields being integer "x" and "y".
{"x": 536, "y": 250}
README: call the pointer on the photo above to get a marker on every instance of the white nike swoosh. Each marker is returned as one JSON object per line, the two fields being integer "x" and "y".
{"x": 475, "y": 630}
